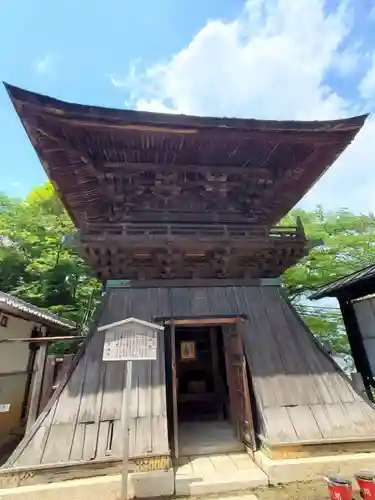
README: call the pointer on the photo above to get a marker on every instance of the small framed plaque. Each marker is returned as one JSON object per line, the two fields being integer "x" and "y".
{"x": 188, "y": 351}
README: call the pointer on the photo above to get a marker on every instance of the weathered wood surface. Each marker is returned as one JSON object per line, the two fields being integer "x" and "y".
{"x": 116, "y": 165}
{"x": 301, "y": 394}
{"x": 88, "y": 406}
{"x": 44, "y": 474}
{"x": 55, "y": 369}
{"x": 36, "y": 385}
{"x": 192, "y": 252}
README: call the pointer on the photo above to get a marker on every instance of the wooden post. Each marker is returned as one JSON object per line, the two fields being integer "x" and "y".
{"x": 219, "y": 390}
{"x": 48, "y": 382}
{"x": 358, "y": 384}
{"x": 37, "y": 382}
{"x": 174, "y": 391}
{"x": 126, "y": 417}
{"x": 357, "y": 347}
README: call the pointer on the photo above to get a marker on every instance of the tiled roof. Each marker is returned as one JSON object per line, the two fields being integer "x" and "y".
{"x": 44, "y": 317}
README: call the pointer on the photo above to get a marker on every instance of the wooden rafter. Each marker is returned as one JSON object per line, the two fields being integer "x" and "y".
{"x": 88, "y": 152}
{"x": 165, "y": 196}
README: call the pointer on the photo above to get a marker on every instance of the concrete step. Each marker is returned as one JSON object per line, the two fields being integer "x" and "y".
{"x": 217, "y": 474}
{"x": 206, "y": 438}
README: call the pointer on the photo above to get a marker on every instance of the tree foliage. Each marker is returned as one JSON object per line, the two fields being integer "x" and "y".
{"x": 348, "y": 245}
{"x": 35, "y": 263}
{"x": 38, "y": 267}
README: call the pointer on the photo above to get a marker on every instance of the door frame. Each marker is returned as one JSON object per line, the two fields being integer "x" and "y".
{"x": 219, "y": 321}
{"x": 240, "y": 385}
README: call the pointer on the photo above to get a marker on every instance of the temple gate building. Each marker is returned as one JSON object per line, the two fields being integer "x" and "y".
{"x": 177, "y": 217}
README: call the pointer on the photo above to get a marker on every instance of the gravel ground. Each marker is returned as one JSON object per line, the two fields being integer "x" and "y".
{"x": 294, "y": 491}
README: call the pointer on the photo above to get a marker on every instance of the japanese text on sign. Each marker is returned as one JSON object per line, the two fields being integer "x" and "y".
{"x": 130, "y": 342}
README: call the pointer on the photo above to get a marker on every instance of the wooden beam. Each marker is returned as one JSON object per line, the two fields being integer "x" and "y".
{"x": 250, "y": 173}
{"x": 180, "y": 283}
{"x": 49, "y": 473}
{"x": 205, "y": 321}
{"x": 327, "y": 447}
{"x": 16, "y": 373}
{"x": 42, "y": 340}
{"x": 37, "y": 381}
{"x": 159, "y": 229}
{"x": 206, "y": 132}
{"x": 355, "y": 338}
{"x": 174, "y": 391}
{"x": 218, "y": 382}
{"x": 237, "y": 272}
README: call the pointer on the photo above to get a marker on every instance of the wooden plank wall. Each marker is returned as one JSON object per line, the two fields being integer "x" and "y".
{"x": 85, "y": 421}
{"x": 301, "y": 394}
{"x": 55, "y": 369}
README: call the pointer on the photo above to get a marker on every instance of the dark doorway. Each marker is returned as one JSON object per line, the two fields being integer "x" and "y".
{"x": 202, "y": 387}
{"x": 198, "y": 392}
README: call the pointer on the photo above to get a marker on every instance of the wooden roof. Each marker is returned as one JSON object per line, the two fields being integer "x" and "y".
{"x": 356, "y": 284}
{"x": 112, "y": 165}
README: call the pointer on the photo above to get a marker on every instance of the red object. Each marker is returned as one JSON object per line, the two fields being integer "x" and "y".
{"x": 339, "y": 488}
{"x": 365, "y": 480}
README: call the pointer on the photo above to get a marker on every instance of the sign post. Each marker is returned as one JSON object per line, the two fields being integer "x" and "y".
{"x": 126, "y": 431}
{"x": 129, "y": 340}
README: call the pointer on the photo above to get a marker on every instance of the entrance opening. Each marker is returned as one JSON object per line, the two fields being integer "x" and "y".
{"x": 202, "y": 394}
{"x": 202, "y": 387}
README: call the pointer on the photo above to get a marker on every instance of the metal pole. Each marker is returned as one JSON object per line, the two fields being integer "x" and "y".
{"x": 126, "y": 407}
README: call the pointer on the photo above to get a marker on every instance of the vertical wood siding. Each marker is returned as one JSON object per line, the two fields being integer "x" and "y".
{"x": 301, "y": 394}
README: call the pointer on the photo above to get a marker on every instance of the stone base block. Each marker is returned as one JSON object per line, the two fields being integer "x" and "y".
{"x": 141, "y": 485}
{"x": 313, "y": 468}
{"x": 217, "y": 474}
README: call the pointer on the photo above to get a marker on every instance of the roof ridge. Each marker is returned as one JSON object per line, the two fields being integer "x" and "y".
{"x": 27, "y": 307}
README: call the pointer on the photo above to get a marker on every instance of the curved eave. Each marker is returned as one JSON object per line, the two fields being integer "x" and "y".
{"x": 117, "y": 117}
{"x": 323, "y": 141}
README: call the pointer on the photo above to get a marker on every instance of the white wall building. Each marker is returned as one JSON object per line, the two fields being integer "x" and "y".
{"x": 19, "y": 320}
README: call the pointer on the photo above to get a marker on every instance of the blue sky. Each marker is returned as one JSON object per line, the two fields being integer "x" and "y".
{"x": 69, "y": 51}
{"x": 270, "y": 59}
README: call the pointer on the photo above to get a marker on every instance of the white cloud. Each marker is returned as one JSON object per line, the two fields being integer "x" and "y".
{"x": 44, "y": 64}
{"x": 155, "y": 106}
{"x": 272, "y": 62}
{"x": 350, "y": 183}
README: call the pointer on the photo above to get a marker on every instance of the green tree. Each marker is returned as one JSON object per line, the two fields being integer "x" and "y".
{"x": 36, "y": 265}
{"x": 348, "y": 245}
